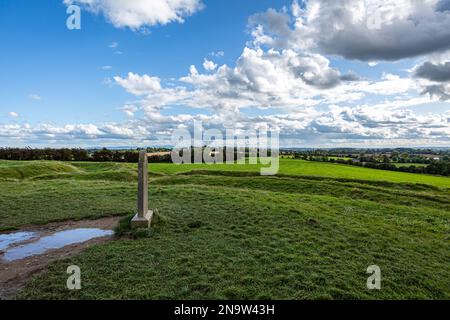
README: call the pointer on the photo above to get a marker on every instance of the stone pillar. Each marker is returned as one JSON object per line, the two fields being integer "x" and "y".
{"x": 144, "y": 216}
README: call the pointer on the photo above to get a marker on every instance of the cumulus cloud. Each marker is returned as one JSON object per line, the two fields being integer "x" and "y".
{"x": 209, "y": 65}
{"x": 137, "y": 14}
{"x": 139, "y": 85}
{"x": 367, "y": 30}
{"x": 129, "y": 110}
{"x": 263, "y": 79}
{"x": 13, "y": 114}
{"x": 274, "y": 79}
{"x": 294, "y": 84}
{"x": 150, "y": 88}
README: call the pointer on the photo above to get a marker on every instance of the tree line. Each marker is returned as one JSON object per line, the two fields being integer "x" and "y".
{"x": 437, "y": 167}
{"x": 76, "y": 154}
{"x": 101, "y": 155}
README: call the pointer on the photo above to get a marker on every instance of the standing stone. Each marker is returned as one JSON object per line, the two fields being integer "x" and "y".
{"x": 144, "y": 216}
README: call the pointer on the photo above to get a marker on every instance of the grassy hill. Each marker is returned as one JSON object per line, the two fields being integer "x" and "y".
{"x": 225, "y": 232}
{"x": 315, "y": 169}
{"x": 126, "y": 171}
{"x": 33, "y": 169}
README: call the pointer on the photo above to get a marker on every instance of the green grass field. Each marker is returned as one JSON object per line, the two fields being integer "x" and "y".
{"x": 224, "y": 232}
{"x": 399, "y": 165}
{"x": 123, "y": 171}
{"x": 314, "y": 169}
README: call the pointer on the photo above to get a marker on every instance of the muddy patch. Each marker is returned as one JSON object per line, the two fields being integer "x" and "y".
{"x": 26, "y": 253}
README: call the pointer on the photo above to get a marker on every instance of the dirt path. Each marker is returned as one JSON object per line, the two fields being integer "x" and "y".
{"x": 14, "y": 275}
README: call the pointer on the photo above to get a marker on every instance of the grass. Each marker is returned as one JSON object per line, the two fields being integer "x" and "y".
{"x": 400, "y": 165}
{"x": 39, "y": 202}
{"x": 314, "y": 169}
{"x": 341, "y": 158}
{"x": 45, "y": 170}
{"x": 225, "y": 234}
{"x": 33, "y": 169}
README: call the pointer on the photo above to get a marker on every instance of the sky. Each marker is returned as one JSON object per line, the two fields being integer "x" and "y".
{"x": 343, "y": 73}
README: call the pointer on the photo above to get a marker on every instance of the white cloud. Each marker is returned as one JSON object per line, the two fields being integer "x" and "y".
{"x": 106, "y": 67}
{"x": 390, "y": 84}
{"x": 139, "y": 85}
{"x": 129, "y": 110}
{"x": 34, "y": 96}
{"x": 113, "y": 45}
{"x": 264, "y": 79}
{"x": 13, "y": 114}
{"x": 209, "y": 65}
{"x": 137, "y": 14}
{"x": 374, "y": 125}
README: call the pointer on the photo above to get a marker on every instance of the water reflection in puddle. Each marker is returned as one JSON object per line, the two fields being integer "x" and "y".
{"x": 56, "y": 241}
{"x": 7, "y": 240}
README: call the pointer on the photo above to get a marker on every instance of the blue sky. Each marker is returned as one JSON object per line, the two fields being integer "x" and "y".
{"x": 127, "y": 79}
{"x": 64, "y": 67}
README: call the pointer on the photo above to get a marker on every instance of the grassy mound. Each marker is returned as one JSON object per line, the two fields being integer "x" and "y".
{"x": 34, "y": 169}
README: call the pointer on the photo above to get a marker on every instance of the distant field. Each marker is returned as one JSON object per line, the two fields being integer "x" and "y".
{"x": 315, "y": 169}
{"x": 399, "y": 165}
{"x": 340, "y": 158}
{"x": 225, "y": 234}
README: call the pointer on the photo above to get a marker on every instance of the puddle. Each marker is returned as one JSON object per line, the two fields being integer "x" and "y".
{"x": 57, "y": 240}
{"x": 26, "y": 253}
{"x": 6, "y": 240}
